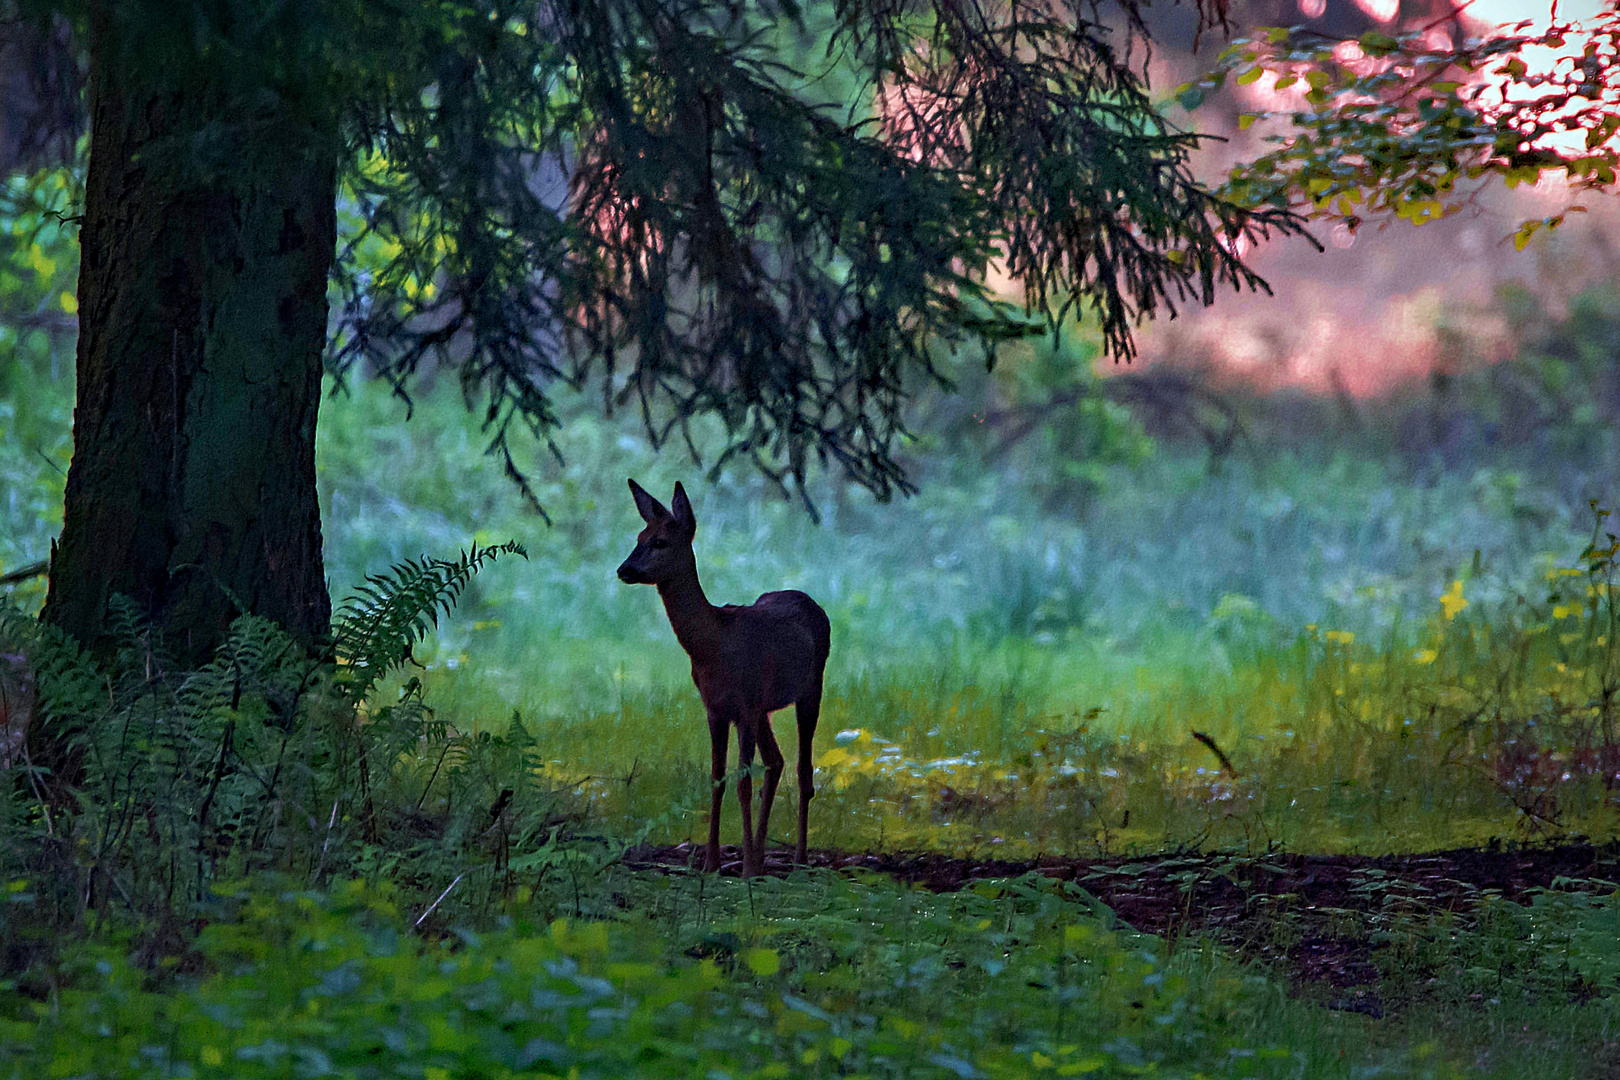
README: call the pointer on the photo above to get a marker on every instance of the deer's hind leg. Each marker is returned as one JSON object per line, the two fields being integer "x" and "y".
{"x": 807, "y": 711}
{"x": 771, "y": 754}
{"x": 719, "y": 736}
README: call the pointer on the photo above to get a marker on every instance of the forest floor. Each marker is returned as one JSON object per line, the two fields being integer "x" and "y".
{"x": 1333, "y": 926}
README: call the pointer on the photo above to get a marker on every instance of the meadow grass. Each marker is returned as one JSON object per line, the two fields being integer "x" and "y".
{"x": 1006, "y": 678}
{"x": 1002, "y": 686}
{"x": 1334, "y": 748}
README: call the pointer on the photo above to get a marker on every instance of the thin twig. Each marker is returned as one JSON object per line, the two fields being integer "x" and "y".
{"x": 1226, "y": 762}
{"x": 435, "y": 904}
{"x": 46, "y": 458}
{"x": 320, "y": 867}
{"x": 208, "y": 799}
{"x": 435, "y": 776}
{"x": 23, "y": 573}
{"x": 213, "y": 783}
{"x": 33, "y": 782}
{"x": 119, "y": 885}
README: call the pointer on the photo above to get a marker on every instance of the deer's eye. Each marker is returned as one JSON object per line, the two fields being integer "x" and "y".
{"x": 660, "y": 542}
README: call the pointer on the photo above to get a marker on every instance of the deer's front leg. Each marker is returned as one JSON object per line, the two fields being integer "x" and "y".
{"x": 719, "y": 735}
{"x": 753, "y": 854}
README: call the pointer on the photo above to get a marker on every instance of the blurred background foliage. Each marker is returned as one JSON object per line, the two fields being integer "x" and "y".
{"x": 1061, "y": 500}
{"x": 1098, "y": 551}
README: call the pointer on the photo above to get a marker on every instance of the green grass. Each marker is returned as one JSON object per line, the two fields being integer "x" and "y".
{"x": 1020, "y": 679}
{"x": 1336, "y": 750}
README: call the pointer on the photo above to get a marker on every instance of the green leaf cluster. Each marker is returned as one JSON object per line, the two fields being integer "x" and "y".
{"x": 1398, "y": 126}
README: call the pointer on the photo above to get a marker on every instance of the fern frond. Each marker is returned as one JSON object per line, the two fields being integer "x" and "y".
{"x": 376, "y": 627}
{"x": 249, "y": 660}
{"x": 70, "y": 688}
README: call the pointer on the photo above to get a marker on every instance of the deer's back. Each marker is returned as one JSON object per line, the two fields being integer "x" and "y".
{"x": 790, "y": 608}
{"x": 776, "y": 649}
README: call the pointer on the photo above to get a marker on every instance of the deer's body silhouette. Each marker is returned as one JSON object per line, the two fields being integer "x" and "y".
{"x": 747, "y": 661}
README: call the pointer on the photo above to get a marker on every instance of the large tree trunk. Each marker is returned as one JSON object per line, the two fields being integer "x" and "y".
{"x": 208, "y": 233}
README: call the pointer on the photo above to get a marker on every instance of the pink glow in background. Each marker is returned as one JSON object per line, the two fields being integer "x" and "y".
{"x": 1388, "y": 305}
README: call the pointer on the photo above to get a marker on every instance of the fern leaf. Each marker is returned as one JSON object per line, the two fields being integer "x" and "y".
{"x": 376, "y": 627}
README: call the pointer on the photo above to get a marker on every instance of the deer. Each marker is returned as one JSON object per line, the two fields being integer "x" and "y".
{"x": 747, "y": 662}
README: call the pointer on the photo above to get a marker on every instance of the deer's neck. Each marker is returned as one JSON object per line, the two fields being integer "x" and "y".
{"x": 696, "y": 622}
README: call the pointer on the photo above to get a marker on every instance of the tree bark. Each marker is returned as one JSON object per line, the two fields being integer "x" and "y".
{"x": 208, "y": 234}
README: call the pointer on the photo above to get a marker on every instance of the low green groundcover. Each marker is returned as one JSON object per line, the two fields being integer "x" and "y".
{"x": 816, "y": 976}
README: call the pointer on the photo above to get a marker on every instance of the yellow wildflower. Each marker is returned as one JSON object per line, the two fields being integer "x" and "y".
{"x": 1451, "y": 601}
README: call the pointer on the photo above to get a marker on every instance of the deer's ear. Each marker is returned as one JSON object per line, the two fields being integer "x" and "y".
{"x": 681, "y": 507}
{"x": 651, "y": 509}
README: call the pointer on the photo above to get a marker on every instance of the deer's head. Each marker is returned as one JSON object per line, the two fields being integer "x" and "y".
{"x": 664, "y": 548}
